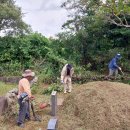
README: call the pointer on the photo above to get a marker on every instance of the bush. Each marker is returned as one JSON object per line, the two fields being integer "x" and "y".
{"x": 53, "y": 87}
{"x": 4, "y": 88}
{"x": 34, "y": 89}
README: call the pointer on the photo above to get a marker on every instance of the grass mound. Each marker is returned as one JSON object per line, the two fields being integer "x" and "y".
{"x": 97, "y": 106}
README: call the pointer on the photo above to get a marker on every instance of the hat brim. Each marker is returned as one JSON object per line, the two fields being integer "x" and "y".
{"x": 32, "y": 74}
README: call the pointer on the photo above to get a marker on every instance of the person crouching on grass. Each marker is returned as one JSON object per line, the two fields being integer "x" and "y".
{"x": 66, "y": 75}
{"x": 24, "y": 92}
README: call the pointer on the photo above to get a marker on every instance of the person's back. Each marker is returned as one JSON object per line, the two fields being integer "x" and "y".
{"x": 24, "y": 86}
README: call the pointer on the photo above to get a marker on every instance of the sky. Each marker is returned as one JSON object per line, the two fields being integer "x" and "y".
{"x": 44, "y": 16}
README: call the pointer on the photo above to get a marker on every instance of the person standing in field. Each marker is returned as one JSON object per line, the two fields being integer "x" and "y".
{"x": 24, "y": 95}
{"x": 113, "y": 67}
{"x": 66, "y": 77}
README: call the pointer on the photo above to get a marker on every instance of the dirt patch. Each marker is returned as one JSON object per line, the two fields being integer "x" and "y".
{"x": 97, "y": 106}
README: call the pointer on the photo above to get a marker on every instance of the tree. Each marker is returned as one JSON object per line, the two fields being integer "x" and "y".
{"x": 11, "y": 18}
{"x": 117, "y": 12}
{"x": 98, "y": 30}
{"x": 78, "y": 11}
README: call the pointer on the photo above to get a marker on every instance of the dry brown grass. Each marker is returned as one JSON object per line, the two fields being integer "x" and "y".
{"x": 97, "y": 106}
{"x": 92, "y": 106}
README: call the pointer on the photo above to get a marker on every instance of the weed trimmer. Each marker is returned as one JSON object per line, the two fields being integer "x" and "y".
{"x": 36, "y": 117}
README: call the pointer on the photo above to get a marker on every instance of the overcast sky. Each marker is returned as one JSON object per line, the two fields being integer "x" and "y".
{"x": 44, "y": 16}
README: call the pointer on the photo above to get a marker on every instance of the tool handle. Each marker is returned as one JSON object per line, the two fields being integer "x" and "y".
{"x": 122, "y": 72}
{"x": 32, "y": 107}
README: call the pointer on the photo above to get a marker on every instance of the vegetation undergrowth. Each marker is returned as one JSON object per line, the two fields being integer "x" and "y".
{"x": 5, "y": 87}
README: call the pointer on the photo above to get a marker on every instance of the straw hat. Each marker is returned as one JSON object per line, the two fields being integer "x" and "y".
{"x": 28, "y": 73}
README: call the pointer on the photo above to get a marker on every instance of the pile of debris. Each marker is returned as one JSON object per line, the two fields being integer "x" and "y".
{"x": 100, "y": 105}
{"x": 8, "y": 103}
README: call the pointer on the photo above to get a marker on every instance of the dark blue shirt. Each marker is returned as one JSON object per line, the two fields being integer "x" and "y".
{"x": 113, "y": 64}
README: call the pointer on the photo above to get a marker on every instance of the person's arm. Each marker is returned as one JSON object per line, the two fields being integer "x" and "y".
{"x": 114, "y": 63}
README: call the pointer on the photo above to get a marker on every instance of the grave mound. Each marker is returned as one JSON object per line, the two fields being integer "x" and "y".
{"x": 100, "y": 105}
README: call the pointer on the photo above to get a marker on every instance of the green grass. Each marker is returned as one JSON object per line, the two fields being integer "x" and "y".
{"x": 5, "y": 87}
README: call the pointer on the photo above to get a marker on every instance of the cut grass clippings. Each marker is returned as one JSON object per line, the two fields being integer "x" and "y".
{"x": 100, "y": 105}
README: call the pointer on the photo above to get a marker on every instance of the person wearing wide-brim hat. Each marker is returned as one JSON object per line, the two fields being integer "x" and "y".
{"x": 24, "y": 91}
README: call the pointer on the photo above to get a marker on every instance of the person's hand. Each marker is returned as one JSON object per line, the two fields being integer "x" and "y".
{"x": 32, "y": 98}
{"x": 62, "y": 81}
{"x": 18, "y": 96}
{"x": 119, "y": 68}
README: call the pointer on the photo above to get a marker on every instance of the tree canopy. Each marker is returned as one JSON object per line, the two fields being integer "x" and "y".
{"x": 90, "y": 38}
{"x": 11, "y": 18}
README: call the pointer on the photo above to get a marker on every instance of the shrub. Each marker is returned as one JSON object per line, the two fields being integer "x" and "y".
{"x": 53, "y": 87}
